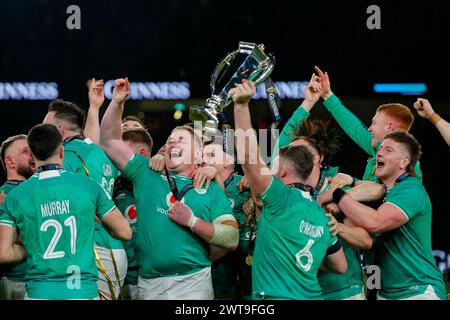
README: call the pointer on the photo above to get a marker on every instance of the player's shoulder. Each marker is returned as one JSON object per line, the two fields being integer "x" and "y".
{"x": 412, "y": 184}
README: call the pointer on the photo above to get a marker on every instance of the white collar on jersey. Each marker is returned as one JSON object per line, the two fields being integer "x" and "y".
{"x": 49, "y": 174}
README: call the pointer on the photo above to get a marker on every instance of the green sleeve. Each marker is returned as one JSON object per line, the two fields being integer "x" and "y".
{"x": 104, "y": 202}
{"x": 275, "y": 198}
{"x": 352, "y": 126}
{"x": 6, "y": 217}
{"x": 135, "y": 168}
{"x": 285, "y": 137}
{"x": 221, "y": 203}
{"x": 411, "y": 198}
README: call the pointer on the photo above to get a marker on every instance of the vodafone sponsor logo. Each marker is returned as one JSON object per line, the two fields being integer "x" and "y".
{"x": 170, "y": 201}
{"x": 130, "y": 214}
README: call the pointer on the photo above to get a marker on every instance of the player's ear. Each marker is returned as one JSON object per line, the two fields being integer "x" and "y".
{"x": 10, "y": 162}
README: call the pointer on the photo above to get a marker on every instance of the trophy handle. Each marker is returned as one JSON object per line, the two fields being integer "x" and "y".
{"x": 219, "y": 67}
{"x": 267, "y": 65}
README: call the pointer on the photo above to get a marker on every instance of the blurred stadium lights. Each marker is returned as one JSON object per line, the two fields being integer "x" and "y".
{"x": 410, "y": 89}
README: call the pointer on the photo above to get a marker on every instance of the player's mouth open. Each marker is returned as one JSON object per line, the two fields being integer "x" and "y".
{"x": 380, "y": 164}
{"x": 175, "y": 153}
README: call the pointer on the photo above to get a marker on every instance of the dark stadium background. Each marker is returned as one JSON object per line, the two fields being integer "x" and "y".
{"x": 174, "y": 40}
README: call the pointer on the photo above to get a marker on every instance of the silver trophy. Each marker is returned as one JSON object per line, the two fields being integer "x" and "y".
{"x": 248, "y": 62}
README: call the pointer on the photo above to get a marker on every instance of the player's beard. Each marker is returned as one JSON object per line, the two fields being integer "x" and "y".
{"x": 24, "y": 171}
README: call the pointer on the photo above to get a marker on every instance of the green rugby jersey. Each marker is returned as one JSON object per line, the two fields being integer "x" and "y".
{"x": 406, "y": 261}
{"x": 81, "y": 155}
{"x": 226, "y": 270}
{"x": 238, "y": 199}
{"x": 359, "y": 133}
{"x": 334, "y": 286}
{"x": 124, "y": 200}
{"x": 342, "y": 286}
{"x": 164, "y": 248}
{"x": 54, "y": 212}
{"x": 293, "y": 239}
{"x": 14, "y": 272}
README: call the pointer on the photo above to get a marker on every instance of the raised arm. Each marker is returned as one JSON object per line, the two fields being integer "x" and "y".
{"x": 255, "y": 170}
{"x": 352, "y": 126}
{"x": 312, "y": 95}
{"x": 96, "y": 99}
{"x": 425, "y": 110}
{"x": 111, "y": 127}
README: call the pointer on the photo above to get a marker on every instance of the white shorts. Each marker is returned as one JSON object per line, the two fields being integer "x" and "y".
{"x": 120, "y": 257}
{"x": 11, "y": 290}
{"x": 429, "y": 294}
{"x": 131, "y": 292}
{"x": 195, "y": 286}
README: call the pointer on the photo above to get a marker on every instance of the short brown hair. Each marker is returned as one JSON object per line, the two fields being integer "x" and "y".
{"x": 68, "y": 111}
{"x": 399, "y": 112}
{"x": 412, "y": 145}
{"x": 138, "y": 135}
{"x": 43, "y": 141}
{"x": 301, "y": 158}
{"x": 133, "y": 118}
{"x": 6, "y": 144}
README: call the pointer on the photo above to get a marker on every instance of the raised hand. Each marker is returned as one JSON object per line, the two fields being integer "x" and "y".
{"x": 325, "y": 84}
{"x": 96, "y": 93}
{"x": 243, "y": 185}
{"x": 157, "y": 163}
{"x": 312, "y": 93}
{"x": 424, "y": 108}
{"x": 202, "y": 175}
{"x": 242, "y": 93}
{"x": 121, "y": 90}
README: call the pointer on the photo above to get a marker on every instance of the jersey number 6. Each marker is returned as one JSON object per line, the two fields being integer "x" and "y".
{"x": 305, "y": 253}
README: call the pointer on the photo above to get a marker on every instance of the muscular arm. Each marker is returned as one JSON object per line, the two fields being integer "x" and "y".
{"x": 366, "y": 191}
{"x": 10, "y": 252}
{"x": 117, "y": 226}
{"x": 426, "y": 111}
{"x": 248, "y": 154}
{"x": 355, "y": 236}
{"x": 111, "y": 128}
{"x": 336, "y": 262}
{"x": 96, "y": 99}
{"x": 387, "y": 217}
{"x": 92, "y": 126}
{"x": 444, "y": 128}
{"x": 223, "y": 232}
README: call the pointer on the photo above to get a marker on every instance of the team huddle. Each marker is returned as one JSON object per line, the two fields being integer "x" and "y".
{"x": 88, "y": 213}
